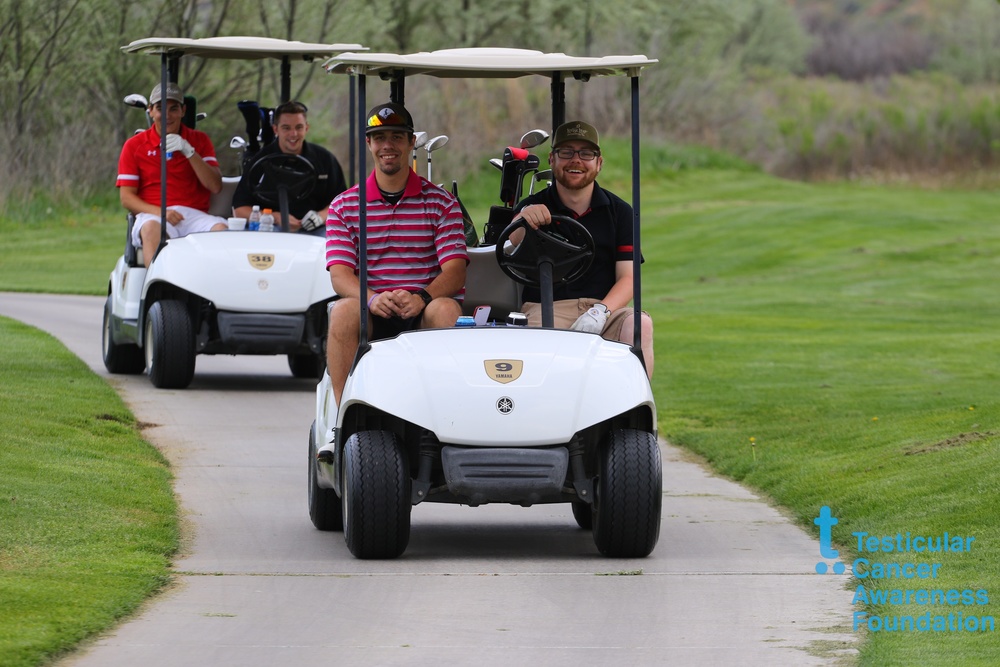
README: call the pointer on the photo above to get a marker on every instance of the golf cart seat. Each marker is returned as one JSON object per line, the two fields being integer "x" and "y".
{"x": 487, "y": 285}
{"x": 222, "y": 202}
{"x": 221, "y": 205}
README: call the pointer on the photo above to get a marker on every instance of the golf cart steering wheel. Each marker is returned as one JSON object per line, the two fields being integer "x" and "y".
{"x": 565, "y": 244}
{"x": 280, "y": 174}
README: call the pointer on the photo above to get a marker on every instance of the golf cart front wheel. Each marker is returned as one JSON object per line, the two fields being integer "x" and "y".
{"x": 376, "y": 495}
{"x": 325, "y": 509}
{"x": 629, "y": 495}
{"x": 584, "y": 514}
{"x": 309, "y": 366}
{"x": 124, "y": 358}
{"x": 169, "y": 344}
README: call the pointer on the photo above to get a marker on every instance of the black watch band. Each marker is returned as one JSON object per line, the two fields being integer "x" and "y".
{"x": 425, "y": 296}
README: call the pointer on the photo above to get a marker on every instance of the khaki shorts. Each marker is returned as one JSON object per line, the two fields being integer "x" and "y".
{"x": 566, "y": 312}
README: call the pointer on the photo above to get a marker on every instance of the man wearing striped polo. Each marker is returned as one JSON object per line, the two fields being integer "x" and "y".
{"x": 415, "y": 241}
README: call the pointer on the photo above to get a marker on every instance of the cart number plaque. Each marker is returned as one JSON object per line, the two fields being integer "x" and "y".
{"x": 503, "y": 370}
{"x": 261, "y": 261}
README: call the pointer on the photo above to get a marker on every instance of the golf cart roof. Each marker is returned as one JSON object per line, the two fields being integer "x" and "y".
{"x": 237, "y": 48}
{"x": 486, "y": 62}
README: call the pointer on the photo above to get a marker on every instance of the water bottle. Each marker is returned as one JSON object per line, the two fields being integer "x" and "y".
{"x": 254, "y": 222}
{"x": 267, "y": 221}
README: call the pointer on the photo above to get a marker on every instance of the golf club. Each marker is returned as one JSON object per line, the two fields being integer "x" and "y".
{"x": 533, "y": 138}
{"x": 497, "y": 162}
{"x": 530, "y": 165}
{"x": 431, "y": 146}
{"x": 543, "y": 175}
{"x": 419, "y": 139}
{"x": 136, "y": 100}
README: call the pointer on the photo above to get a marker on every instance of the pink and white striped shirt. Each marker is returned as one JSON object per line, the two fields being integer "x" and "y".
{"x": 407, "y": 243}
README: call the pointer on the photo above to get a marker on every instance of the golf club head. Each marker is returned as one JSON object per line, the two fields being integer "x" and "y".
{"x": 531, "y": 162}
{"x": 533, "y": 138}
{"x": 497, "y": 162}
{"x": 419, "y": 139}
{"x": 136, "y": 100}
{"x": 238, "y": 143}
{"x": 543, "y": 175}
{"x": 436, "y": 143}
{"x": 200, "y": 116}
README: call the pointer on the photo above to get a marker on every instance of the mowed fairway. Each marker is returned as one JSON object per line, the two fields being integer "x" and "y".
{"x": 825, "y": 344}
{"x": 838, "y": 345}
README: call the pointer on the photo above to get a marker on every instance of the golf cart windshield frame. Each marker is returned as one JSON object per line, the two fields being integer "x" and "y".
{"x": 172, "y": 49}
{"x": 492, "y": 63}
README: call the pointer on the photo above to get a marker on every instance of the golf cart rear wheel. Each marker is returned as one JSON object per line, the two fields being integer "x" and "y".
{"x": 325, "y": 508}
{"x": 308, "y": 365}
{"x": 629, "y": 495}
{"x": 376, "y": 495}
{"x": 123, "y": 358}
{"x": 169, "y": 345}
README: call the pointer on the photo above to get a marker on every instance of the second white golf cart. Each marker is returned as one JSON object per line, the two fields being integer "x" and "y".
{"x": 237, "y": 292}
{"x": 493, "y": 414}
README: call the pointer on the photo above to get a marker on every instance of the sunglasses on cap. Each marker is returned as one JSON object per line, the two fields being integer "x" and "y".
{"x": 382, "y": 119}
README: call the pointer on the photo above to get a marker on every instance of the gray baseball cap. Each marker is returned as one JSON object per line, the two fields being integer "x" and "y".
{"x": 174, "y": 92}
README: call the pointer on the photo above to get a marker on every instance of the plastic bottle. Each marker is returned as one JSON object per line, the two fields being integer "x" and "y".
{"x": 267, "y": 221}
{"x": 254, "y": 223}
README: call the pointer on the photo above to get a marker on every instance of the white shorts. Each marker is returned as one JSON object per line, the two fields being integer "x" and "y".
{"x": 194, "y": 221}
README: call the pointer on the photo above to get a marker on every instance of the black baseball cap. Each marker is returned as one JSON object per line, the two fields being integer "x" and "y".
{"x": 389, "y": 116}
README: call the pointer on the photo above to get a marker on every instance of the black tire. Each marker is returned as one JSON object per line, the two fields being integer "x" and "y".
{"x": 325, "y": 508}
{"x": 376, "y": 495}
{"x": 584, "y": 514}
{"x": 629, "y": 495}
{"x": 309, "y": 366}
{"x": 169, "y": 345}
{"x": 124, "y": 359}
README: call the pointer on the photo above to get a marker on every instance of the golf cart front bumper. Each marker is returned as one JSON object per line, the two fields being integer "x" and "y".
{"x": 261, "y": 333}
{"x": 504, "y": 475}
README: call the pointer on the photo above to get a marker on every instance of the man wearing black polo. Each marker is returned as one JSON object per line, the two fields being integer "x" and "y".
{"x": 597, "y": 302}
{"x": 306, "y": 213}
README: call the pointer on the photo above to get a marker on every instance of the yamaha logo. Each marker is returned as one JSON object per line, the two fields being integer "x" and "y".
{"x": 505, "y": 405}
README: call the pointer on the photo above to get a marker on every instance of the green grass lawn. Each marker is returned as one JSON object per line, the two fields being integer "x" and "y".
{"x": 88, "y": 522}
{"x": 823, "y": 344}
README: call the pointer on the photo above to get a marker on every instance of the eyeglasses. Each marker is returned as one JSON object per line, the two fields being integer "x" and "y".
{"x": 290, "y": 107}
{"x": 586, "y": 154}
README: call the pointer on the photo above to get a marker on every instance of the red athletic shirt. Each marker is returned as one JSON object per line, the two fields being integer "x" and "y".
{"x": 139, "y": 167}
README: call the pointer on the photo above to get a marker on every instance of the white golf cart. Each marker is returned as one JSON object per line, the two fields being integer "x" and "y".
{"x": 492, "y": 414}
{"x": 233, "y": 292}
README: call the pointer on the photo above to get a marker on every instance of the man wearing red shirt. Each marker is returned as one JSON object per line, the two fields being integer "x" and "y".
{"x": 192, "y": 176}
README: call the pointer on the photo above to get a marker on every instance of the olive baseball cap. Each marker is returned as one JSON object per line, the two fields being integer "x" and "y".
{"x": 576, "y": 130}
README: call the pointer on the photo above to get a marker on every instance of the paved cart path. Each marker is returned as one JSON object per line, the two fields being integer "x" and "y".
{"x": 731, "y": 581}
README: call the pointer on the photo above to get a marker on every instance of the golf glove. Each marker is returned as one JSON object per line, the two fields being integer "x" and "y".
{"x": 177, "y": 143}
{"x": 593, "y": 320}
{"x": 311, "y": 221}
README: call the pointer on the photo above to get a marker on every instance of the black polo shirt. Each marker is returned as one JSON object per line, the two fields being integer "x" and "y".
{"x": 329, "y": 182}
{"x": 609, "y": 221}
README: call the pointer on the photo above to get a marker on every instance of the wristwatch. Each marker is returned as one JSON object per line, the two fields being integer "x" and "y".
{"x": 425, "y": 296}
